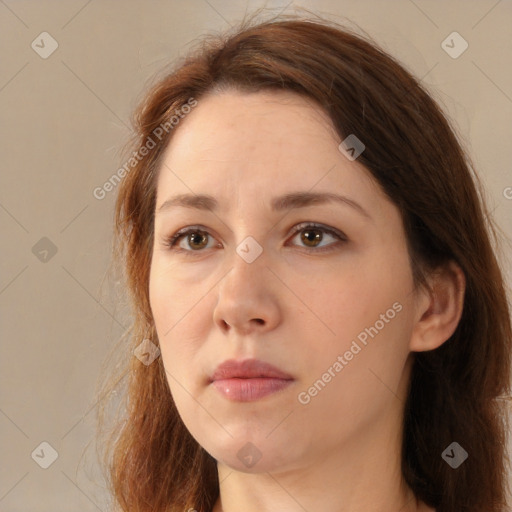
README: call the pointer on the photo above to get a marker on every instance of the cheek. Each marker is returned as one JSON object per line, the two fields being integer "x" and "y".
{"x": 365, "y": 318}
{"x": 173, "y": 311}
{"x": 346, "y": 300}
{"x": 354, "y": 383}
{"x": 173, "y": 296}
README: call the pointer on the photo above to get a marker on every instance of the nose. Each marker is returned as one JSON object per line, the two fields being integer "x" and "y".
{"x": 247, "y": 298}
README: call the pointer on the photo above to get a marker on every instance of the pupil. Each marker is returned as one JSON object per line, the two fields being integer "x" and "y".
{"x": 193, "y": 237}
{"x": 315, "y": 236}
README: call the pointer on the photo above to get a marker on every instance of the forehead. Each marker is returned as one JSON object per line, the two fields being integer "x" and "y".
{"x": 228, "y": 123}
{"x": 236, "y": 145}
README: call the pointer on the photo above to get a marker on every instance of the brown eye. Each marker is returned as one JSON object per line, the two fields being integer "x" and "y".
{"x": 201, "y": 239}
{"x": 311, "y": 237}
{"x": 196, "y": 240}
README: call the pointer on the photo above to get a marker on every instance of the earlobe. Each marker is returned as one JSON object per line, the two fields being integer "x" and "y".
{"x": 439, "y": 311}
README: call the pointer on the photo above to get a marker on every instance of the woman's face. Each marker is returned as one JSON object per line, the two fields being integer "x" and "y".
{"x": 332, "y": 306}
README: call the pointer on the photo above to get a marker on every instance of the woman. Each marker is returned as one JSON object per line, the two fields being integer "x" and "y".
{"x": 307, "y": 251}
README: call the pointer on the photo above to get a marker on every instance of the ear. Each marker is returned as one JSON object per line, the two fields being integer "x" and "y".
{"x": 438, "y": 311}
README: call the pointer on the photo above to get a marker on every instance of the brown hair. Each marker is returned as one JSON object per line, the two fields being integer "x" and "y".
{"x": 154, "y": 463}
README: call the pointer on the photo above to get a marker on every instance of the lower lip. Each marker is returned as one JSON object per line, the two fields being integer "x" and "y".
{"x": 248, "y": 390}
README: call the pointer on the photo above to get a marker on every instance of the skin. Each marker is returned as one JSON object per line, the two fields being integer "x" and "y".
{"x": 295, "y": 309}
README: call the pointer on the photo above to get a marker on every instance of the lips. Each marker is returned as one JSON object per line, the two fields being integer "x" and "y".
{"x": 249, "y": 380}
{"x": 248, "y": 369}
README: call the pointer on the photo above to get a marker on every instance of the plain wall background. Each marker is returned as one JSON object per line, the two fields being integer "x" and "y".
{"x": 64, "y": 121}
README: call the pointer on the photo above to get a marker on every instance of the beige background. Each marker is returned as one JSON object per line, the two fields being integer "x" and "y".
{"x": 64, "y": 120}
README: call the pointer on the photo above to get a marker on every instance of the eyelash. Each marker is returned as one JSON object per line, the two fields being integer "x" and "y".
{"x": 171, "y": 242}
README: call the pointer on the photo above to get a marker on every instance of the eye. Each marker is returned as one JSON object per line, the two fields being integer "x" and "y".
{"x": 311, "y": 235}
{"x": 196, "y": 239}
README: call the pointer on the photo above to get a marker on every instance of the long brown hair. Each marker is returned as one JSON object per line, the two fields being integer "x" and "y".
{"x": 153, "y": 462}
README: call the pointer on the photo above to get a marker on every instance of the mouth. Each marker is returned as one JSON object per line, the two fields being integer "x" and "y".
{"x": 249, "y": 380}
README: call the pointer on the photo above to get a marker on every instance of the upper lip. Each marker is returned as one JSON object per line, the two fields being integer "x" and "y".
{"x": 247, "y": 369}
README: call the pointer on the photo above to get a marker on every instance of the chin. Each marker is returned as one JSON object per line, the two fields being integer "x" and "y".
{"x": 254, "y": 456}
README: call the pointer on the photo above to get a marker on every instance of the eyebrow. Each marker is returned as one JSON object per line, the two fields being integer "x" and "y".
{"x": 285, "y": 202}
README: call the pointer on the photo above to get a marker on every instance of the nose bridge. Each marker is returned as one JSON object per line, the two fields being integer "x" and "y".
{"x": 246, "y": 295}
{"x": 248, "y": 265}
